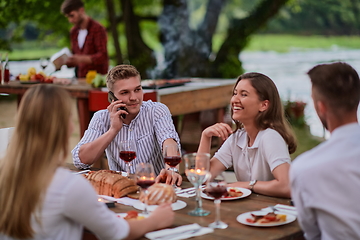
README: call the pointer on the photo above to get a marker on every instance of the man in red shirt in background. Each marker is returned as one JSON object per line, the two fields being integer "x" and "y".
{"x": 88, "y": 40}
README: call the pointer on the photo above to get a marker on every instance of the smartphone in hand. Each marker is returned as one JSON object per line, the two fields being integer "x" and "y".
{"x": 112, "y": 97}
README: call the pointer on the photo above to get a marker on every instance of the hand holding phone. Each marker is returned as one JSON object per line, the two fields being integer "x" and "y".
{"x": 111, "y": 97}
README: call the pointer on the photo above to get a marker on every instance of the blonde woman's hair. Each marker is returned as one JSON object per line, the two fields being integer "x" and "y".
{"x": 38, "y": 146}
{"x": 274, "y": 116}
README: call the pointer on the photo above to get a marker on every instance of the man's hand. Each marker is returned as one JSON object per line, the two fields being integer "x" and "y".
{"x": 77, "y": 59}
{"x": 167, "y": 177}
{"x": 116, "y": 122}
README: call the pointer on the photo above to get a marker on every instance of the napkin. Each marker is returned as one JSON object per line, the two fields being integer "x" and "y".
{"x": 124, "y": 200}
{"x": 182, "y": 232}
{"x": 282, "y": 208}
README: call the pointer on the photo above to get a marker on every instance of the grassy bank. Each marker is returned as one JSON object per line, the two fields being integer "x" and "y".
{"x": 284, "y": 43}
{"x": 305, "y": 141}
{"x": 268, "y": 42}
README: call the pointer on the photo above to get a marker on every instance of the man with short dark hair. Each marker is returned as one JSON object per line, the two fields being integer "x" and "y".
{"x": 148, "y": 123}
{"x": 88, "y": 40}
{"x": 325, "y": 181}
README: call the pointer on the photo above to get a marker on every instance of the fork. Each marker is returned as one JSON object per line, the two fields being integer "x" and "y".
{"x": 273, "y": 208}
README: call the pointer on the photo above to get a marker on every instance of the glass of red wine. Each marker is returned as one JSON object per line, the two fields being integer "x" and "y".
{"x": 145, "y": 177}
{"x": 127, "y": 153}
{"x": 217, "y": 188}
{"x": 172, "y": 157}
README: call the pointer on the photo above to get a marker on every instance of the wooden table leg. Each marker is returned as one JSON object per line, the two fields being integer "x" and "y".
{"x": 84, "y": 114}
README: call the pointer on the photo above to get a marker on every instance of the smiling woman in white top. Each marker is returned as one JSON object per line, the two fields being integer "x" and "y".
{"x": 39, "y": 199}
{"x": 259, "y": 148}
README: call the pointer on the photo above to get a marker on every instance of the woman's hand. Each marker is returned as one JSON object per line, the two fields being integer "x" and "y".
{"x": 163, "y": 215}
{"x": 221, "y": 130}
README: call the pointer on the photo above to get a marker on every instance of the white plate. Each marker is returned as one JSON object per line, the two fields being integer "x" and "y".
{"x": 175, "y": 206}
{"x": 242, "y": 219}
{"x": 246, "y": 192}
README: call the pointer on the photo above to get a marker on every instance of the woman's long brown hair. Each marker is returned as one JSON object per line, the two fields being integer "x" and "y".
{"x": 38, "y": 146}
{"x": 274, "y": 116}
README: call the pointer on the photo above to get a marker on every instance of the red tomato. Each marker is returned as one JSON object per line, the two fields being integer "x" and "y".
{"x": 131, "y": 214}
{"x": 250, "y": 220}
{"x": 270, "y": 217}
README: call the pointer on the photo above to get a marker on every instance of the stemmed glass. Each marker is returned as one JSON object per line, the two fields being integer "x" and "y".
{"x": 172, "y": 157}
{"x": 44, "y": 63}
{"x": 217, "y": 188}
{"x": 145, "y": 177}
{"x": 197, "y": 172}
{"x": 127, "y": 153}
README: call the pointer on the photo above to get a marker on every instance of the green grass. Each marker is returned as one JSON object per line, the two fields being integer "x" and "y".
{"x": 31, "y": 54}
{"x": 284, "y": 43}
{"x": 305, "y": 141}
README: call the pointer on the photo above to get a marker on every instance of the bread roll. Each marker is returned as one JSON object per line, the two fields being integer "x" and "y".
{"x": 160, "y": 193}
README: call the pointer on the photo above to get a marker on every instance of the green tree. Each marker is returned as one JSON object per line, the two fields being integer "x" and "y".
{"x": 187, "y": 48}
{"x": 327, "y": 17}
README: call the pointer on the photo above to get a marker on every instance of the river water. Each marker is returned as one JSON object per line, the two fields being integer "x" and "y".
{"x": 288, "y": 71}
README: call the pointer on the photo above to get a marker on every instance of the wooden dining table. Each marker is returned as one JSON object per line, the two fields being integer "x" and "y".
{"x": 195, "y": 96}
{"x": 229, "y": 211}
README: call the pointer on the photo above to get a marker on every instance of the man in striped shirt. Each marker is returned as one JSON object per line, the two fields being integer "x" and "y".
{"x": 148, "y": 123}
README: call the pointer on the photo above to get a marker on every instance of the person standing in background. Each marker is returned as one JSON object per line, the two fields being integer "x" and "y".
{"x": 88, "y": 40}
{"x": 325, "y": 181}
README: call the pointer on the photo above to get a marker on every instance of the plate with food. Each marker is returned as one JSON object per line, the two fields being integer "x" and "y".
{"x": 131, "y": 215}
{"x": 265, "y": 219}
{"x": 233, "y": 193}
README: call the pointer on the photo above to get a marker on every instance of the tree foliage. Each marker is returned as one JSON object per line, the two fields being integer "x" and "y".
{"x": 326, "y": 17}
{"x": 186, "y": 39}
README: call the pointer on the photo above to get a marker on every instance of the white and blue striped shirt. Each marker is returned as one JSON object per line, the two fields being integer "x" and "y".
{"x": 150, "y": 128}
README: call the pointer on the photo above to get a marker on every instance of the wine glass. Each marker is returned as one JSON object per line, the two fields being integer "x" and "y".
{"x": 197, "y": 172}
{"x": 44, "y": 63}
{"x": 127, "y": 153}
{"x": 145, "y": 177}
{"x": 172, "y": 157}
{"x": 217, "y": 188}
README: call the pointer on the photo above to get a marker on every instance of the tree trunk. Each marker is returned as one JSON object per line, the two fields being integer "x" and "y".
{"x": 139, "y": 54}
{"x": 227, "y": 63}
{"x": 113, "y": 29}
{"x": 187, "y": 51}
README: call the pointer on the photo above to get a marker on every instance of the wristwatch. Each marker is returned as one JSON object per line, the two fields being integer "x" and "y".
{"x": 252, "y": 183}
{"x": 175, "y": 170}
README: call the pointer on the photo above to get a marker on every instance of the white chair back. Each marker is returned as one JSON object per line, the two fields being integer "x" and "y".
{"x": 5, "y": 136}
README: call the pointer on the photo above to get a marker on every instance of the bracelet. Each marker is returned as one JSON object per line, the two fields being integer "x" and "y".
{"x": 173, "y": 169}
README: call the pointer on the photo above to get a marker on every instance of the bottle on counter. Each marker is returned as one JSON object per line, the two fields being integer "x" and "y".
{"x": 4, "y": 70}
